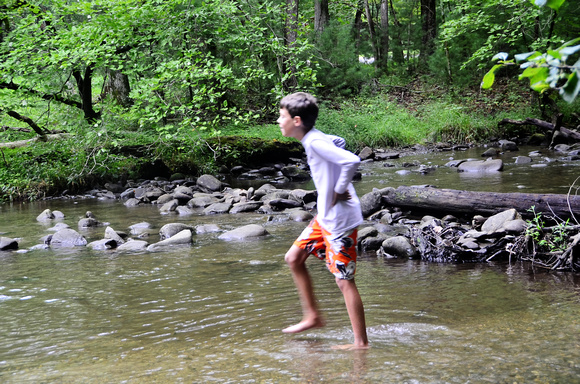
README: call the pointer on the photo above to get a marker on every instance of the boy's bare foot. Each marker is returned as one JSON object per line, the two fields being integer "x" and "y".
{"x": 304, "y": 325}
{"x": 350, "y": 347}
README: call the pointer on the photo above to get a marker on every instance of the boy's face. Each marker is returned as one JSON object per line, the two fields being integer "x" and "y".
{"x": 290, "y": 126}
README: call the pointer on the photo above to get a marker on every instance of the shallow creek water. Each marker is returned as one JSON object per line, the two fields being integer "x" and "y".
{"x": 213, "y": 312}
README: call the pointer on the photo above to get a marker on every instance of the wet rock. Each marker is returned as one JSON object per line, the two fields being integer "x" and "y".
{"x": 110, "y": 233}
{"x": 58, "y": 227}
{"x": 300, "y": 215}
{"x": 371, "y": 243}
{"x": 399, "y": 246}
{"x": 153, "y": 193}
{"x": 182, "y": 238}
{"x": 508, "y": 145}
{"x": 184, "y": 211}
{"x": 370, "y": 202}
{"x": 103, "y": 244}
{"x": 247, "y": 206}
{"x": 183, "y": 194}
{"x": 523, "y": 160}
{"x": 169, "y": 207}
{"x": 491, "y": 152}
{"x": 132, "y": 202}
{"x": 88, "y": 222}
{"x": 8, "y": 244}
{"x": 496, "y": 223}
{"x": 295, "y": 174}
{"x": 244, "y": 233}
{"x": 45, "y": 216}
{"x": 202, "y": 200}
{"x": 207, "y": 228}
{"x": 366, "y": 154}
{"x": 171, "y": 229}
{"x": 164, "y": 199}
{"x": 389, "y": 155}
{"x": 67, "y": 238}
{"x": 217, "y": 208}
{"x": 303, "y": 195}
{"x": 209, "y": 183}
{"x": 140, "y": 228}
{"x": 133, "y": 246}
{"x": 284, "y": 203}
{"x": 484, "y": 166}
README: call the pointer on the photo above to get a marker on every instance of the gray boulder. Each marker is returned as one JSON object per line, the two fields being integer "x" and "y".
{"x": 217, "y": 208}
{"x": 497, "y": 223}
{"x": 110, "y": 233}
{"x": 67, "y": 238}
{"x": 182, "y": 238}
{"x": 171, "y": 229}
{"x": 209, "y": 183}
{"x": 103, "y": 244}
{"x": 370, "y": 202}
{"x": 45, "y": 216}
{"x": 248, "y": 206}
{"x": 244, "y": 233}
{"x": 133, "y": 246}
{"x": 399, "y": 246}
{"x": 483, "y": 166}
{"x": 7, "y": 244}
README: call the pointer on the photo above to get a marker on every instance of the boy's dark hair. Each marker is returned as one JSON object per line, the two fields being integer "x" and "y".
{"x": 301, "y": 104}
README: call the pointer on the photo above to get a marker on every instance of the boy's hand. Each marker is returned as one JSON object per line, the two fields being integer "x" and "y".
{"x": 340, "y": 197}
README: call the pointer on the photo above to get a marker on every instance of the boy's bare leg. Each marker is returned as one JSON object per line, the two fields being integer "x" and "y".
{"x": 355, "y": 309}
{"x": 296, "y": 259}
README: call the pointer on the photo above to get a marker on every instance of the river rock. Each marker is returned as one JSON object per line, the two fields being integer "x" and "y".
{"x": 523, "y": 160}
{"x": 399, "y": 246}
{"x": 140, "y": 228}
{"x": 163, "y": 199}
{"x": 209, "y": 183}
{"x": 496, "y": 223}
{"x": 184, "y": 211}
{"x": 508, "y": 145}
{"x": 58, "y": 227}
{"x": 67, "y": 238}
{"x": 8, "y": 244}
{"x": 295, "y": 173}
{"x": 169, "y": 206}
{"x": 202, "y": 200}
{"x": 153, "y": 193}
{"x": 300, "y": 215}
{"x": 370, "y": 202}
{"x": 182, "y": 238}
{"x": 103, "y": 244}
{"x": 171, "y": 229}
{"x": 244, "y": 233}
{"x": 133, "y": 246}
{"x": 110, "y": 233}
{"x": 490, "y": 152}
{"x": 45, "y": 216}
{"x": 132, "y": 202}
{"x": 303, "y": 195}
{"x": 366, "y": 154}
{"x": 217, "y": 208}
{"x": 88, "y": 222}
{"x": 371, "y": 243}
{"x": 183, "y": 194}
{"x": 207, "y": 228}
{"x": 284, "y": 203}
{"x": 482, "y": 166}
{"x": 247, "y": 206}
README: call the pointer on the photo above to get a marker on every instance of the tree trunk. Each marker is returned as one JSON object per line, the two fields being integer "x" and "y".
{"x": 429, "y": 27}
{"x": 383, "y": 51}
{"x": 357, "y": 25}
{"x": 321, "y": 15}
{"x": 85, "y": 87}
{"x": 455, "y": 202}
{"x": 397, "y": 46}
{"x": 546, "y": 126}
{"x": 371, "y": 25}
{"x": 290, "y": 35}
{"x": 118, "y": 87}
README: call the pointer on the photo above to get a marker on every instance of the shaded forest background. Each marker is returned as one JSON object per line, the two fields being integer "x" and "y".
{"x": 130, "y": 83}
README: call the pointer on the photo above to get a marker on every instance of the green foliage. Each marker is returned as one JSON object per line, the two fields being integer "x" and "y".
{"x": 555, "y": 240}
{"x": 552, "y": 69}
{"x": 340, "y": 72}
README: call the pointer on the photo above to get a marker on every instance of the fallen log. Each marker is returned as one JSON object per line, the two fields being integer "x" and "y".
{"x": 546, "y": 126}
{"x": 23, "y": 143}
{"x": 459, "y": 203}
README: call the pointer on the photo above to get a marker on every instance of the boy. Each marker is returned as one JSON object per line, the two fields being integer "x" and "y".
{"x": 332, "y": 234}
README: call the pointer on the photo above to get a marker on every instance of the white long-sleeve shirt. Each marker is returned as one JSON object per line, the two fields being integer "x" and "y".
{"x": 332, "y": 170}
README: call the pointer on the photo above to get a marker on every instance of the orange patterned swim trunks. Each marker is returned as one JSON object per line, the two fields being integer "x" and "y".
{"x": 338, "y": 250}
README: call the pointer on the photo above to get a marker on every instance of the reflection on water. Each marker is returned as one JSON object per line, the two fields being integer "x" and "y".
{"x": 212, "y": 312}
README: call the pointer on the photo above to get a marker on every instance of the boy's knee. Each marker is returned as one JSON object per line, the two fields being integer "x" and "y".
{"x": 295, "y": 257}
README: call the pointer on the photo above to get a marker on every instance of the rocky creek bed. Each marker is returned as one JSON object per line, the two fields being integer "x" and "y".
{"x": 388, "y": 231}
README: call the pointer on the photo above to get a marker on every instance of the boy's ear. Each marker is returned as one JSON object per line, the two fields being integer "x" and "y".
{"x": 297, "y": 121}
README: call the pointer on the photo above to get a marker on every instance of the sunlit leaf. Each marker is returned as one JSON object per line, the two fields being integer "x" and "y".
{"x": 489, "y": 77}
{"x": 571, "y": 88}
{"x": 500, "y": 56}
{"x": 524, "y": 56}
